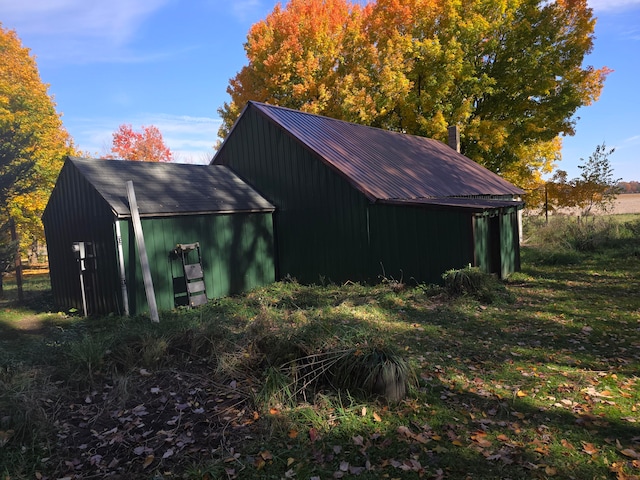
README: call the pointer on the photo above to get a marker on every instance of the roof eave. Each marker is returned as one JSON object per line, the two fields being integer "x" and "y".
{"x": 448, "y": 204}
{"x": 127, "y": 215}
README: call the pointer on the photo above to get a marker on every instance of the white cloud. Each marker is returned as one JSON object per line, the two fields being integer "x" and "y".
{"x": 79, "y": 30}
{"x": 111, "y": 20}
{"x": 245, "y": 10}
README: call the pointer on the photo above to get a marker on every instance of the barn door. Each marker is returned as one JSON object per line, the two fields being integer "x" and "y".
{"x": 495, "y": 243}
{"x": 85, "y": 255}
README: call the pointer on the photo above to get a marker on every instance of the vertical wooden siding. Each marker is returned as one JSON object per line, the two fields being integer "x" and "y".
{"x": 417, "y": 244}
{"x": 320, "y": 221}
{"x": 237, "y": 254}
{"x": 76, "y": 213}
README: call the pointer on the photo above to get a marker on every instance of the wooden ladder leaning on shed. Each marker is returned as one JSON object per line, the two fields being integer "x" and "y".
{"x": 193, "y": 274}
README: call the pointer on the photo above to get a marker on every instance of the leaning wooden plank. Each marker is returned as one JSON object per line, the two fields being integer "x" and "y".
{"x": 142, "y": 251}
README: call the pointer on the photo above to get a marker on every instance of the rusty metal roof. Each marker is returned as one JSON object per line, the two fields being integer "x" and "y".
{"x": 387, "y": 165}
{"x": 170, "y": 188}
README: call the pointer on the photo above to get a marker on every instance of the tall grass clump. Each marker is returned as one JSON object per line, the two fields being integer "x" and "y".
{"x": 473, "y": 282}
{"x": 564, "y": 240}
{"x": 27, "y": 398}
{"x": 593, "y": 234}
{"x": 380, "y": 371}
{"x": 87, "y": 355}
{"x": 369, "y": 371}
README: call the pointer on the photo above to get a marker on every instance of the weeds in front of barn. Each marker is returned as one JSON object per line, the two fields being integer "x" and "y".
{"x": 535, "y": 377}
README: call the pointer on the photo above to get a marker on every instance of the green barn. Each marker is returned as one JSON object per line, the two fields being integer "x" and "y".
{"x": 359, "y": 203}
{"x": 287, "y": 194}
{"x": 178, "y": 204}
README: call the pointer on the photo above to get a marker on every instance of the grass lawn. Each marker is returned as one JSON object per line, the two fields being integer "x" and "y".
{"x": 535, "y": 377}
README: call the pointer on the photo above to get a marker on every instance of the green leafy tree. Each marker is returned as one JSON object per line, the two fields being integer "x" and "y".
{"x": 595, "y": 189}
{"x": 510, "y": 74}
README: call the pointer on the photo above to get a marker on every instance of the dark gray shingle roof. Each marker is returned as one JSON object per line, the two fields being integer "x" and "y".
{"x": 388, "y": 165}
{"x": 170, "y": 188}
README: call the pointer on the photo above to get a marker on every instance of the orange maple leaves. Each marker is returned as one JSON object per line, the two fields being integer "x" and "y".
{"x": 147, "y": 145}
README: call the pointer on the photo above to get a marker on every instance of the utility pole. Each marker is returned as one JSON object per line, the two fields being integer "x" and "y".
{"x": 546, "y": 202}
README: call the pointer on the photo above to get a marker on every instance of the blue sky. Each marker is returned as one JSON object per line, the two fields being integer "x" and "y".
{"x": 168, "y": 63}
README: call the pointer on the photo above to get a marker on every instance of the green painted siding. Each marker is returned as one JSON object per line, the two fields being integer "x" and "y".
{"x": 326, "y": 228}
{"x": 76, "y": 213}
{"x": 236, "y": 249}
{"x": 416, "y": 244}
{"x": 482, "y": 253}
{"x": 320, "y": 220}
{"x": 509, "y": 243}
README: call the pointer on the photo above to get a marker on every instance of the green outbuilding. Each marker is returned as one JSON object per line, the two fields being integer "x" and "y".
{"x": 288, "y": 193}
{"x": 190, "y": 215}
{"x": 360, "y": 203}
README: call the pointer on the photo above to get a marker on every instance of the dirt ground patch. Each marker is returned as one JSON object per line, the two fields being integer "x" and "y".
{"x": 161, "y": 422}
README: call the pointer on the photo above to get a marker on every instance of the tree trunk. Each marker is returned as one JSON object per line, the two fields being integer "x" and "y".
{"x": 14, "y": 237}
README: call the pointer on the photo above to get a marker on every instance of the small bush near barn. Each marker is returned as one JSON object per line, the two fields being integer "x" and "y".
{"x": 284, "y": 382}
{"x": 474, "y": 282}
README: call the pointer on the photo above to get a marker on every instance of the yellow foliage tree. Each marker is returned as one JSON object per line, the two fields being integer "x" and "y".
{"x": 510, "y": 74}
{"x": 33, "y": 141}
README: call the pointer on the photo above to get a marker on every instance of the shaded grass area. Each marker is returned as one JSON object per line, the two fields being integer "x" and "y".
{"x": 538, "y": 379}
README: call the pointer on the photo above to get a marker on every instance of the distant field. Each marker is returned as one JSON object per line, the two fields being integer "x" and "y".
{"x": 627, "y": 203}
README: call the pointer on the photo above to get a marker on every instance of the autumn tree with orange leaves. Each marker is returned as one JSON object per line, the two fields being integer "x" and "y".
{"x": 146, "y": 145}
{"x": 510, "y": 74}
{"x": 33, "y": 141}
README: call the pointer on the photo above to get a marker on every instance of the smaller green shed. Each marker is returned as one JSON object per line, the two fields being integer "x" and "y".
{"x": 178, "y": 204}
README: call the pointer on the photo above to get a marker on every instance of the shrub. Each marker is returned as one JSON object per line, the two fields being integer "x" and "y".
{"x": 467, "y": 280}
{"x": 473, "y": 282}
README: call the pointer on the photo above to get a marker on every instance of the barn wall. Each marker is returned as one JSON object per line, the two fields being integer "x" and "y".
{"x": 237, "y": 254}
{"x": 320, "y": 221}
{"x": 417, "y": 244}
{"x": 75, "y": 213}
